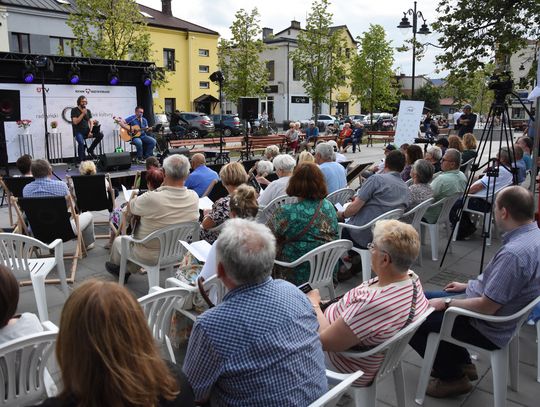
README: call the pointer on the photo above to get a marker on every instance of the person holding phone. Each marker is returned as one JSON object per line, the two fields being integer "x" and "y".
{"x": 81, "y": 122}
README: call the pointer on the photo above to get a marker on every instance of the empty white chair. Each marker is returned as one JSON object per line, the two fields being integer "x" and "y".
{"x": 23, "y": 377}
{"x": 341, "y": 196}
{"x": 365, "y": 254}
{"x": 446, "y": 205}
{"x": 322, "y": 263}
{"x": 341, "y": 382}
{"x": 17, "y": 253}
{"x": 414, "y": 218}
{"x": 467, "y": 167}
{"x": 267, "y": 212}
{"x": 213, "y": 288}
{"x": 393, "y": 350}
{"x": 499, "y": 357}
{"x": 170, "y": 250}
{"x": 158, "y": 307}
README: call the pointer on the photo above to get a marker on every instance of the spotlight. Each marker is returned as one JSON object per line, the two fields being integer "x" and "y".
{"x": 114, "y": 78}
{"x": 74, "y": 74}
{"x": 29, "y": 73}
{"x": 44, "y": 63}
{"x": 217, "y": 77}
{"x": 147, "y": 80}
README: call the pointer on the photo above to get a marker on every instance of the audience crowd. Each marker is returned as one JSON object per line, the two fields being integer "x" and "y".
{"x": 267, "y": 342}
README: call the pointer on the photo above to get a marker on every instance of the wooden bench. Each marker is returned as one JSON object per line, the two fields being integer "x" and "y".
{"x": 444, "y": 132}
{"x": 386, "y": 136}
{"x": 202, "y": 145}
{"x": 259, "y": 143}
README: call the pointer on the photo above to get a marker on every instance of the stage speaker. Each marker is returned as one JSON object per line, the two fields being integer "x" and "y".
{"x": 248, "y": 108}
{"x": 114, "y": 161}
{"x": 10, "y": 105}
{"x": 171, "y": 151}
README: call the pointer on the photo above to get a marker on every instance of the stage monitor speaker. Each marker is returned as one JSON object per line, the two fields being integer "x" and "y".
{"x": 248, "y": 108}
{"x": 10, "y": 105}
{"x": 115, "y": 161}
{"x": 170, "y": 151}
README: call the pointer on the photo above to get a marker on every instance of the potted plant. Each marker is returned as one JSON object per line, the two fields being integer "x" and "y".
{"x": 54, "y": 126}
{"x": 25, "y": 125}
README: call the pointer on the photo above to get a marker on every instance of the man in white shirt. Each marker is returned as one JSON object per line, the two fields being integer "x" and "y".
{"x": 283, "y": 165}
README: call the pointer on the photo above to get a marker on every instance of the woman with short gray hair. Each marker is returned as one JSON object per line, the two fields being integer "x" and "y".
{"x": 284, "y": 165}
{"x": 420, "y": 190}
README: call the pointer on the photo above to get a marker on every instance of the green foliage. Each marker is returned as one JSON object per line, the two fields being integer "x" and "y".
{"x": 474, "y": 31}
{"x": 110, "y": 29}
{"x": 431, "y": 96}
{"x": 319, "y": 63}
{"x": 372, "y": 73}
{"x": 470, "y": 88}
{"x": 245, "y": 74}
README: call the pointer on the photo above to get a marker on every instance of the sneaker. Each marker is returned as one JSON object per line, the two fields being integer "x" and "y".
{"x": 114, "y": 269}
{"x": 90, "y": 246}
{"x": 448, "y": 388}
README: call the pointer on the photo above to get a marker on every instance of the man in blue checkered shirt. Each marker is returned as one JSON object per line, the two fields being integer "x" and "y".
{"x": 260, "y": 346}
{"x": 509, "y": 282}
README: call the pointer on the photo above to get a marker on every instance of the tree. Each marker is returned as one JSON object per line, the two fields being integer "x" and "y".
{"x": 110, "y": 29}
{"x": 431, "y": 96}
{"x": 317, "y": 59}
{"x": 245, "y": 74}
{"x": 474, "y": 31}
{"x": 372, "y": 79}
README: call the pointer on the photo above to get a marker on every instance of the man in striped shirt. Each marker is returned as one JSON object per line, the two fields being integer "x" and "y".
{"x": 509, "y": 282}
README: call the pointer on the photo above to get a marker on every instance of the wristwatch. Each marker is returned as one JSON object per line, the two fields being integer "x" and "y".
{"x": 447, "y": 302}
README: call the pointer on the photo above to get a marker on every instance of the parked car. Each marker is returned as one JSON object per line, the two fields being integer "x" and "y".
{"x": 356, "y": 118}
{"x": 323, "y": 120}
{"x": 231, "y": 124}
{"x": 161, "y": 118}
{"x": 199, "y": 123}
{"x": 381, "y": 121}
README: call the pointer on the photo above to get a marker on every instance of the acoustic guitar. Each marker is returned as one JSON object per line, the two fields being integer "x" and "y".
{"x": 134, "y": 131}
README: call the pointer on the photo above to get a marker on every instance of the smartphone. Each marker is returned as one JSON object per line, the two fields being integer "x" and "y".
{"x": 305, "y": 288}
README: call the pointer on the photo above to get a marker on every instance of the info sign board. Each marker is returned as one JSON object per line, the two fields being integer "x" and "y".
{"x": 408, "y": 124}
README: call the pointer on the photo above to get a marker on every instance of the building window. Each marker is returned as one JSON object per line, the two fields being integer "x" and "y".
{"x": 204, "y": 52}
{"x": 204, "y": 85}
{"x": 21, "y": 42}
{"x": 295, "y": 73}
{"x": 63, "y": 46}
{"x": 170, "y": 105}
{"x": 168, "y": 59}
{"x": 348, "y": 53}
{"x": 270, "y": 67}
{"x": 204, "y": 68}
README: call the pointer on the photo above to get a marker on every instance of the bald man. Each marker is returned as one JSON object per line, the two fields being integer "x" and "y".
{"x": 202, "y": 176}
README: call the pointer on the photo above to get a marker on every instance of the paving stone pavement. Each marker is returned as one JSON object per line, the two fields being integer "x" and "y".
{"x": 462, "y": 263}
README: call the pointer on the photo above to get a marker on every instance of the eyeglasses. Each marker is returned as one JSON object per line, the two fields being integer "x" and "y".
{"x": 371, "y": 247}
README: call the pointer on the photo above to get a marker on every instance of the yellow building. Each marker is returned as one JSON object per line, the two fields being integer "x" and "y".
{"x": 188, "y": 53}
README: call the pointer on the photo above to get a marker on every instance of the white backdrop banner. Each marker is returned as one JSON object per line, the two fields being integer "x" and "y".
{"x": 103, "y": 101}
{"x": 410, "y": 113}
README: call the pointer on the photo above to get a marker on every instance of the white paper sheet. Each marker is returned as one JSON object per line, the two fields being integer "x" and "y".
{"x": 127, "y": 192}
{"x": 205, "y": 203}
{"x": 199, "y": 249}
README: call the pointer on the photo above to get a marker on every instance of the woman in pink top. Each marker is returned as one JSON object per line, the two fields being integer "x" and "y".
{"x": 378, "y": 308}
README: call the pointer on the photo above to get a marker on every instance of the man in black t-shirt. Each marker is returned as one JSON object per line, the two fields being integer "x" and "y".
{"x": 82, "y": 124}
{"x": 466, "y": 121}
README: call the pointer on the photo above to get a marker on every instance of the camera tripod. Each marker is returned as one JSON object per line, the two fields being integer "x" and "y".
{"x": 499, "y": 107}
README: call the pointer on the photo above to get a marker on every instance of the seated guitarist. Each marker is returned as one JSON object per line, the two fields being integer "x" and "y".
{"x": 143, "y": 142}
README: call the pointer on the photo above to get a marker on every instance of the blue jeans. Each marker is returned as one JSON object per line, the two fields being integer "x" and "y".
{"x": 353, "y": 140}
{"x": 144, "y": 145}
{"x": 81, "y": 146}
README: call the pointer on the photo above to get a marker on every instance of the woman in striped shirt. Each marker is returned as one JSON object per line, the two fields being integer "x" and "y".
{"x": 378, "y": 308}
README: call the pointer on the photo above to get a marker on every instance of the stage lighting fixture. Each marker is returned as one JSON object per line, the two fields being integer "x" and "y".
{"x": 44, "y": 63}
{"x": 74, "y": 74}
{"x": 217, "y": 77}
{"x": 29, "y": 73}
{"x": 114, "y": 78}
{"x": 147, "y": 80}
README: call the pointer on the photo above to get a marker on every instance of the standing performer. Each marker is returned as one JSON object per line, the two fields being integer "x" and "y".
{"x": 143, "y": 142}
{"x": 81, "y": 121}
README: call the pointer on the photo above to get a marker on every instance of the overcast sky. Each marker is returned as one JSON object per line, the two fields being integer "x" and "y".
{"x": 218, "y": 15}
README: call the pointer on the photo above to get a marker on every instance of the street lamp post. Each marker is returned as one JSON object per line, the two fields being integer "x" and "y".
{"x": 404, "y": 26}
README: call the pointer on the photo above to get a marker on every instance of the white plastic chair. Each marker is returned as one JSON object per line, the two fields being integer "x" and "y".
{"x": 467, "y": 165}
{"x": 341, "y": 382}
{"x": 393, "y": 350}
{"x": 16, "y": 254}
{"x": 23, "y": 361}
{"x": 414, "y": 218}
{"x": 365, "y": 254}
{"x": 170, "y": 250}
{"x": 213, "y": 287}
{"x": 499, "y": 357}
{"x": 322, "y": 263}
{"x": 446, "y": 205}
{"x": 158, "y": 307}
{"x": 340, "y": 196}
{"x": 489, "y": 224}
{"x": 409, "y": 182}
{"x": 267, "y": 212}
